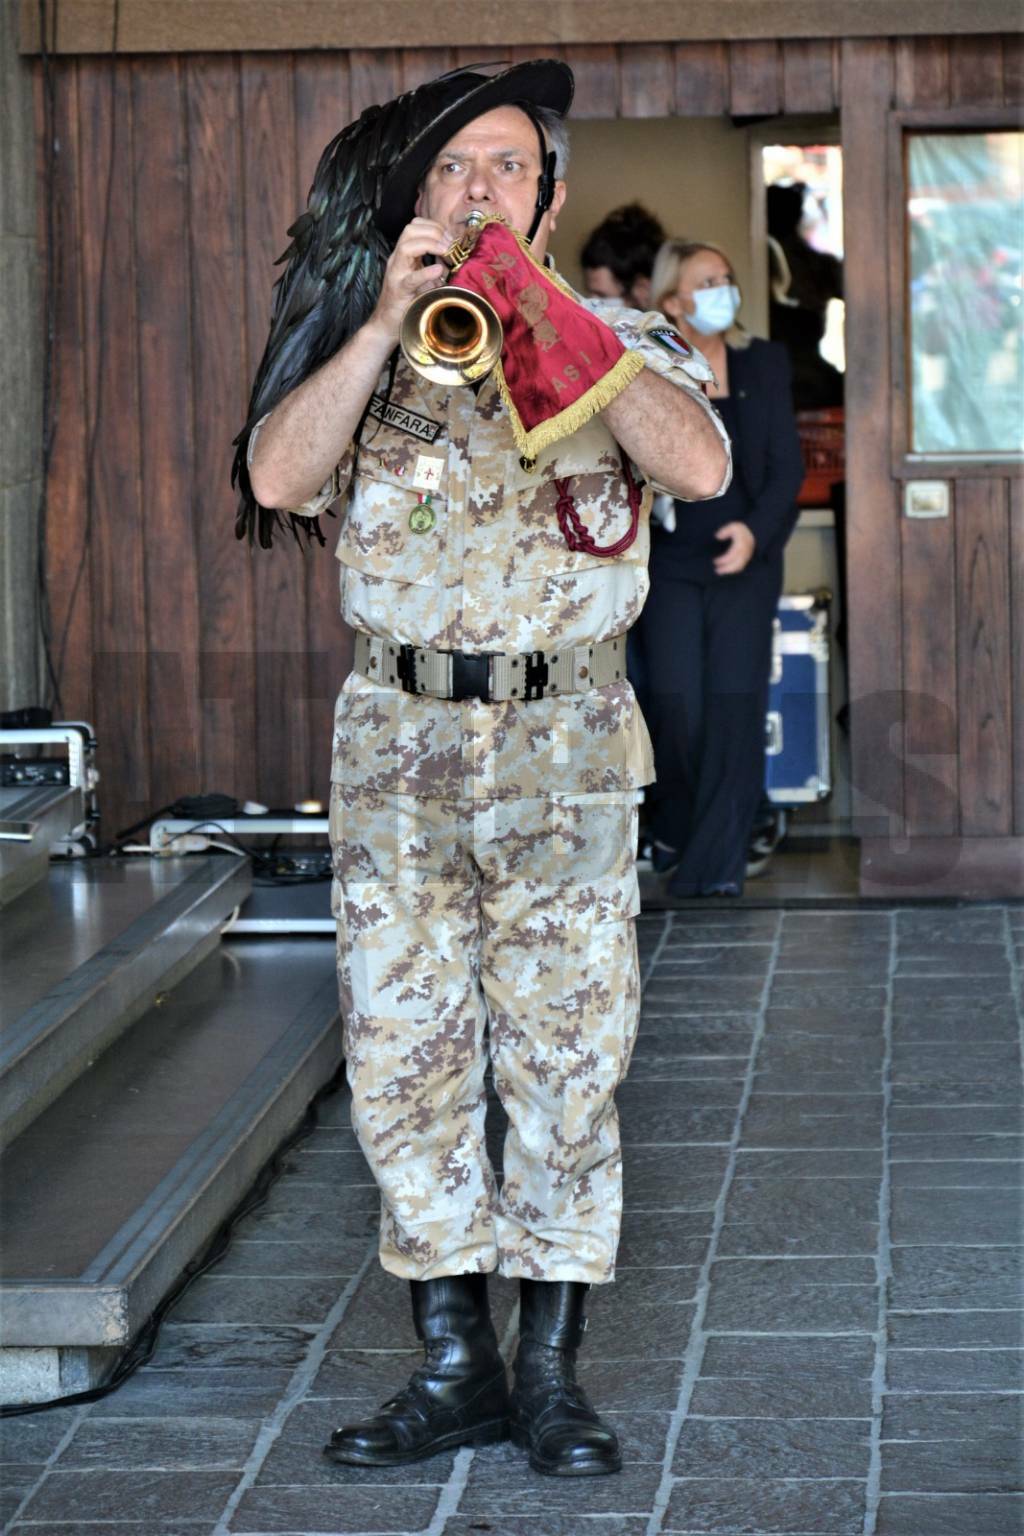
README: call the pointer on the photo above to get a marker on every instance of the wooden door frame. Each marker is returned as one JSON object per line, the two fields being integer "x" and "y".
{"x": 950, "y": 851}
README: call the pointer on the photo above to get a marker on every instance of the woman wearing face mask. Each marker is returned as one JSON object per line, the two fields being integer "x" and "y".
{"x": 705, "y": 631}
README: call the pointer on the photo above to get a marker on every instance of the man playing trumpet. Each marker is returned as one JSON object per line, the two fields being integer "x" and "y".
{"x": 488, "y": 748}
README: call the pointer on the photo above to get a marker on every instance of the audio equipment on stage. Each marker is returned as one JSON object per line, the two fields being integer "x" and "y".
{"x": 32, "y": 770}
{"x": 291, "y": 893}
{"x": 47, "y": 795}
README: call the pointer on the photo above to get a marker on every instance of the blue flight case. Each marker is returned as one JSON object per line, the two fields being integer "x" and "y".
{"x": 798, "y": 760}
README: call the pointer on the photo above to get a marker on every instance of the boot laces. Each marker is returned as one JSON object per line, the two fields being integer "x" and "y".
{"x": 415, "y": 1395}
{"x": 551, "y": 1375}
{"x": 434, "y": 1351}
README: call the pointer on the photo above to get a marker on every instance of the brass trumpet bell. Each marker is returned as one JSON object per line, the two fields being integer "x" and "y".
{"x": 451, "y": 336}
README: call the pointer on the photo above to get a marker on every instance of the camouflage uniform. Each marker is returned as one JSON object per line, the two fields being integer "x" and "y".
{"x": 484, "y": 853}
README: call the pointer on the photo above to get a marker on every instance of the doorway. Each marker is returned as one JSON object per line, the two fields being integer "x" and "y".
{"x": 705, "y": 178}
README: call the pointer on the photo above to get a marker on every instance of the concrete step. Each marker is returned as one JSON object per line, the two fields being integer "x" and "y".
{"x": 114, "y": 1188}
{"x": 84, "y": 953}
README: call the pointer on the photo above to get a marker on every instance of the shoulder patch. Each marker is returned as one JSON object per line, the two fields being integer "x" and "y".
{"x": 670, "y": 340}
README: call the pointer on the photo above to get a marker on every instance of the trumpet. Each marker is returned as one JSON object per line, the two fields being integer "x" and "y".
{"x": 451, "y": 335}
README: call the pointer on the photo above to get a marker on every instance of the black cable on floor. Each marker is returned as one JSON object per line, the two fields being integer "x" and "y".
{"x": 144, "y": 1345}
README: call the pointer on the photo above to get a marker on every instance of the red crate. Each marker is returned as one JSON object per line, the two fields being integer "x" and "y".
{"x": 823, "y": 444}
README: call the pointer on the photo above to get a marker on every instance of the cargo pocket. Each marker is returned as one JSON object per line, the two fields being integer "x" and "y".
{"x": 391, "y": 531}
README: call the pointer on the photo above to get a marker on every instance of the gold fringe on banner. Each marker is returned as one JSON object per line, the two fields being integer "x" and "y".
{"x": 533, "y": 442}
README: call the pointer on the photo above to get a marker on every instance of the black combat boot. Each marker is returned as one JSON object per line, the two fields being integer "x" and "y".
{"x": 458, "y": 1396}
{"x": 551, "y": 1416}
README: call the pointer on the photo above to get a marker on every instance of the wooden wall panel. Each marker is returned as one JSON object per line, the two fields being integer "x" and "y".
{"x": 647, "y": 81}
{"x": 976, "y": 71}
{"x": 374, "y": 76}
{"x": 521, "y": 53}
{"x": 596, "y": 68}
{"x": 69, "y": 574}
{"x": 322, "y": 106}
{"x": 983, "y": 657}
{"x": 116, "y": 530}
{"x": 809, "y": 75}
{"x": 755, "y": 79}
{"x": 929, "y": 676}
{"x": 467, "y": 57}
{"x": 937, "y": 868}
{"x": 1013, "y": 70}
{"x": 415, "y": 66}
{"x": 873, "y": 531}
{"x": 922, "y": 71}
{"x": 272, "y": 202}
{"x": 162, "y": 237}
{"x": 157, "y": 342}
{"x": 702, "y": 79}
{"x": 220, "y": 394}
{"x": 192, "y": 26}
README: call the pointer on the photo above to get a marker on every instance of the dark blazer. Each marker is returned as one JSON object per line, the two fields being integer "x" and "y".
{"x": 767, "y": 469}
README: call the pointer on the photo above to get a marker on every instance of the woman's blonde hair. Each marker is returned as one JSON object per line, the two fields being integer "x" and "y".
{"x": 665, "y": 276}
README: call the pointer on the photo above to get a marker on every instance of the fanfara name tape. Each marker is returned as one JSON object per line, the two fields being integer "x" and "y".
{"x": 397, "y": 416}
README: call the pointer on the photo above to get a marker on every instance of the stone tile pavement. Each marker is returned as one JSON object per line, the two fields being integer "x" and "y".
{"x": 816, "y": 1326}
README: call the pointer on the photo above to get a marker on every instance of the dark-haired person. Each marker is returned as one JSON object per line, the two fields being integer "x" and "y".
{"x": 487, "y": 748}
{"x": 706, "y": 629}
{"x": 799, "y": 321}
{"x": 618, "y": 256}
{"x": 617, "y": 259}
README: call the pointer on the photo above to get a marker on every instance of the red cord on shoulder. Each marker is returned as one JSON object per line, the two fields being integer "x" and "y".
{"x": 574, "y": 530}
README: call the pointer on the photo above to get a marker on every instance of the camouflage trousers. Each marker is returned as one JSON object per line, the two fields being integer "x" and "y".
{"x": 500, "y": 927}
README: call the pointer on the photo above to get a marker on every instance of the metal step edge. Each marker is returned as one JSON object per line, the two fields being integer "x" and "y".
{"x": 126, "y": 1281}
{"x": 54, "y": 1040}
{"x": 25, "y": 865}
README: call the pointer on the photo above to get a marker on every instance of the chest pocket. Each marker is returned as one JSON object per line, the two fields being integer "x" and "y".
{"x": 591, "y": 463}
{"x": 390, "y": 530}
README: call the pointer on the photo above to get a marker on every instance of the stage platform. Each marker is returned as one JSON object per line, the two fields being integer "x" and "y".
{"x": 148, "y": 1069}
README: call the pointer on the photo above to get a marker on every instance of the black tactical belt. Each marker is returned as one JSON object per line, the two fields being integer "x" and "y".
{"x": 494, "y": 676}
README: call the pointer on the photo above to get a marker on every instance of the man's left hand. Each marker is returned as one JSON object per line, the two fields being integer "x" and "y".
{"x": 741, "y": 548}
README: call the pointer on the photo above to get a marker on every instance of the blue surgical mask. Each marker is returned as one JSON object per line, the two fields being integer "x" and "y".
{"x": 714, "y": 309}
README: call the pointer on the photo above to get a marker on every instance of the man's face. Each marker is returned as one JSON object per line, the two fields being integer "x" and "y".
{"x": 491, "y": 164}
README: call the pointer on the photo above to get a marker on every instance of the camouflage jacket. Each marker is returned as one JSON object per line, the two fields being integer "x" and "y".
{"x": 483, "y": 566}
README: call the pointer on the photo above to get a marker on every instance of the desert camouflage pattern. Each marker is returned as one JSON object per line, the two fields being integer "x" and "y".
{"x": 492, "y": 573}
{"x": 454, "y": 917}
{"x": 392, "y": 742}
{"x": 483, "y": 853}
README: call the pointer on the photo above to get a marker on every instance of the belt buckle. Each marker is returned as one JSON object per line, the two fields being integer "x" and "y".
{"x": 471, "y": 676}
{"x": 537, "y": 673}
{"x": 406, "y": 667}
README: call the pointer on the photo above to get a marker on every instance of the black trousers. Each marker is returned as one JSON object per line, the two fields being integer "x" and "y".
{"x": 703, "y": 653}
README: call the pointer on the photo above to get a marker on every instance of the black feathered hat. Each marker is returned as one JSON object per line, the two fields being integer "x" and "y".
{"x": 363, "y": 195}
{"x": 461, "y": 97}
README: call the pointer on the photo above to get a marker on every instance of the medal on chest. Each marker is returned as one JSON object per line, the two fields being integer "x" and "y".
{"x": 422, "y": 517}
{"x": 426, "y": 478}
